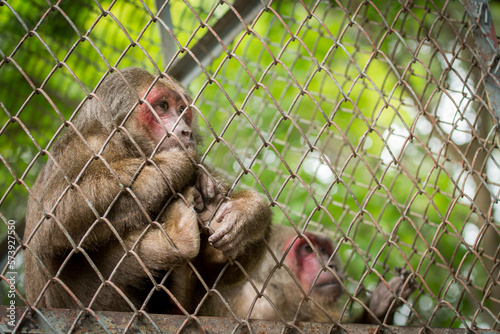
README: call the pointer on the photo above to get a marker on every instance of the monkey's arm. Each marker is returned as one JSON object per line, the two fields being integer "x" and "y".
{"x": 169, "y": 173}
{"x": 117, "y": 190}
{"x": 166, "y": 244}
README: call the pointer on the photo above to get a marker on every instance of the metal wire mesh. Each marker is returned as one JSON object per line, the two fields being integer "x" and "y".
{"x": 367, "y": 121}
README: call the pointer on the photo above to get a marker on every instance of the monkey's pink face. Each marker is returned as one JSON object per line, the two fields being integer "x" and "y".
{"x": 167, "y": 110}
{"x": 305, "y": 264}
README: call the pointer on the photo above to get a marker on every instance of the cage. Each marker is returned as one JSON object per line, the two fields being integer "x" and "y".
{"x": 373, "y": 124}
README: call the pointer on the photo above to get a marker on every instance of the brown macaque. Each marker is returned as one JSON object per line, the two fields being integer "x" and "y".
{"x": 307, "y": 269}
{"x": 112, "y": 213}
{"x": 305, "y": 287}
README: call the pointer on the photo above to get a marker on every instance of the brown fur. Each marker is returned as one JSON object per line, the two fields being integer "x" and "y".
{"x": 285, "y": 297}
{"x": 285, "y": 284}
{"x": 104, "y": 223}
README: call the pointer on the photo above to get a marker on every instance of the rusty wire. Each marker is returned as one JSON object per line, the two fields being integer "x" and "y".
{"x": 374, "y": 122}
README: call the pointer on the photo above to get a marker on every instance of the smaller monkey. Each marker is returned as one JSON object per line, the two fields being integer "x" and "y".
{"x": 307, "y": 268}
{"x": 303, "y": 281}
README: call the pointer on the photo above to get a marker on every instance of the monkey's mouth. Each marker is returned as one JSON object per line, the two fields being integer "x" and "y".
{"x": 328, "y": 291}
{"x": 189, "y": 143}
{"x": 334, "y": 286}
{"x": 178, "y": 142}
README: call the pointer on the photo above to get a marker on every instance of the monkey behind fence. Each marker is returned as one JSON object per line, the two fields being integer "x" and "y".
{"x": 303, "y": 281}
{"x": 112, "y": 212}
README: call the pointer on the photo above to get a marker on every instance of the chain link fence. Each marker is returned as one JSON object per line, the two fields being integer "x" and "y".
{"x": 372, "y": 122}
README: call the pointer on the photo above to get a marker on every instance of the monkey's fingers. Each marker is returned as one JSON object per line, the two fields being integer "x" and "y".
{"x": 381, "y": 300}
{"x": 229, "y": 238}
{"x": 383, "y": 296}
{"x": 198, "y": 203}
{"x": 223, "y": 235}
{"x": 223, "y": 211}
{"x": 227, "y": 243}
{"x": 207, "y": 186}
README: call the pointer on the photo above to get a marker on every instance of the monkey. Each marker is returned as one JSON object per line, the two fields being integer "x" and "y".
{"x": 300, "y": 281}
{"x": 112, "y": 215}
{"x": 297, "y": 267}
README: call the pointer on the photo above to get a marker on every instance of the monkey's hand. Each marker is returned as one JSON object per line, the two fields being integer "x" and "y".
{"x": 208, "y": 186}
{"x": 385, "y": 294}
{"x": 206, "y": 210}
{"x": 239, "y": 223}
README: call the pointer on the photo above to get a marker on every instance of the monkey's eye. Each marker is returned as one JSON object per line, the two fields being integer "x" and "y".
{"x": 181, "y": 109}
{"x": 163, "y": 105}
{"x": 308, "y": 249}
